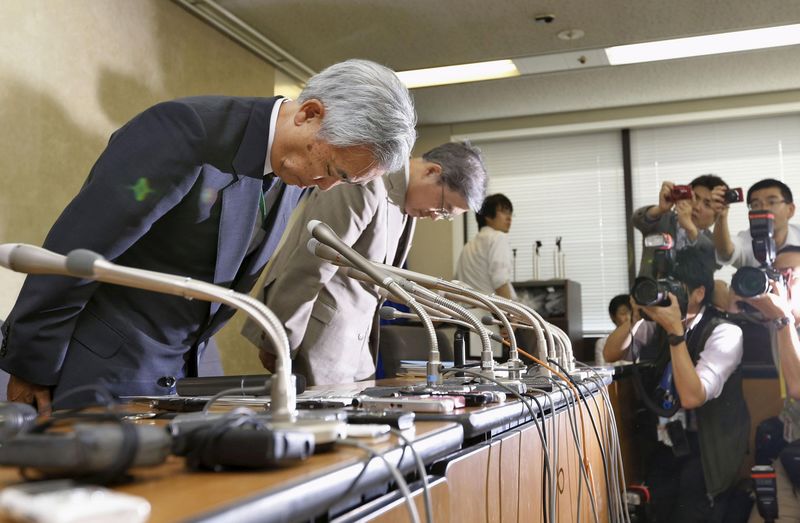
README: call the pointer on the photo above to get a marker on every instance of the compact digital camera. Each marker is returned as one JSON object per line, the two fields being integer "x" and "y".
{"x": 680, "y": 192}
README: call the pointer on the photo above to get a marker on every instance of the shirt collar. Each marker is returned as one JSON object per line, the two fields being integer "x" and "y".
{"x": 696, "y": 319}
{"x": 273, "y": 120}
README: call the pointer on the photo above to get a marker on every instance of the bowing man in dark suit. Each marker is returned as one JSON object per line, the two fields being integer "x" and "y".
{"x": 201, "y": 187}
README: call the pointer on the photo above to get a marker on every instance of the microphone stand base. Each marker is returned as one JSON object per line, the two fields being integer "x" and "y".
{"x": 324, "y": 428}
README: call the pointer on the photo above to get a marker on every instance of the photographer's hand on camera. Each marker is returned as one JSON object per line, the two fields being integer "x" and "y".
{"x": 665, "y": 203}
{"x": 718, "y": 203}
{"x": 683, "y": 210}
{"x": 773, "y": 305}
{"x": 669, "y": 318}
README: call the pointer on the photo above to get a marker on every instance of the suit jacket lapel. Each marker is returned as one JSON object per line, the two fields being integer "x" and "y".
{"x": 240, "y": 199}
{"x": 275, "y": 224}
{"x": 396, "y": 186}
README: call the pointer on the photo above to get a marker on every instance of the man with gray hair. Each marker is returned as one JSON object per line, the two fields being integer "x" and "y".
{"x": 328, "y": 315}
{"x": 200, "y": 187}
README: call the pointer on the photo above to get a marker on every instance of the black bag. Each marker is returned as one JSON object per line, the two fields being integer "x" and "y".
{"x": 769, "y": 440}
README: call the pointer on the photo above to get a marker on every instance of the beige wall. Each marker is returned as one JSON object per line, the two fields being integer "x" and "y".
{"x": 73, "y": 71}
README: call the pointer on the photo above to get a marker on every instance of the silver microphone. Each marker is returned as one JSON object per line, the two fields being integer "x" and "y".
{"x": 30, "y": 259}
{"x": 86, "y": 264}
{"x": 390, "y": 313}
{"x": 324, "y": 234}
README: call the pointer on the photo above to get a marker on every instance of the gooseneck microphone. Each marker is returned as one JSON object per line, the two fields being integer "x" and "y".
{"x": 30, "y": 259}
{"x": 86, "y": 264}
{"x": 432, "y": 299}
{"x": 390, "y": 313}
{"x": 324, "y": 234}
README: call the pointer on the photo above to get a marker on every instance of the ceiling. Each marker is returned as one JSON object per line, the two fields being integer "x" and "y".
{"x": 412, "y": 34}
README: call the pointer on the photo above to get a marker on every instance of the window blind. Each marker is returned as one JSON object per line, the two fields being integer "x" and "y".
{"x": 741, "y": 152}
{"x": 572, "y": 187}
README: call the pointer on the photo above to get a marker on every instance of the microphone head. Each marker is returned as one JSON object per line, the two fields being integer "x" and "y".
{"x": 388, "y": 313}
{"x": 5, "y": 254}
{"x": 487, "y": 319}
{"x": 312, "y": 245}
{"x": 312, "y": 225}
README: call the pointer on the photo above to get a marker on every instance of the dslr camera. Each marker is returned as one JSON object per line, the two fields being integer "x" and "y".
{"x": 655, "y": 291}
{"x": 748, "y": 282}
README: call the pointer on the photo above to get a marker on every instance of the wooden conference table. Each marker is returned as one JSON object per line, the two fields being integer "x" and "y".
{"x": 483, "y": 463}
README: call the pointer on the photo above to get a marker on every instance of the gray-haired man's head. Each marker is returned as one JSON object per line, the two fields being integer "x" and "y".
{"x": 367, "y": 105}
{"x": 463, "y": 170}
{"x": 446, "y": 181}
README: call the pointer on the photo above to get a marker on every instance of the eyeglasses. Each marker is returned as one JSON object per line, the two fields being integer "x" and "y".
{"x": 757, "y": 205}
{"x": 442, "y": 212}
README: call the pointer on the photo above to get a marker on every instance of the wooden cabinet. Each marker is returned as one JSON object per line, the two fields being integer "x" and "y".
{"x": 558, "y": 302}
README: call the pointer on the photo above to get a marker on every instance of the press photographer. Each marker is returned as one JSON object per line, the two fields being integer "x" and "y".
{"x": 697, "y": 361}
{"x": 685, "y": 212}
{"x": 766, "y": 195}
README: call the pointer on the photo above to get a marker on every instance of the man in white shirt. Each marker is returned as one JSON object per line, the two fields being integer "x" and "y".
{"x": 697, "y": 460}
{"x": 767, "y": 195}
{"x": 485, "y": 262}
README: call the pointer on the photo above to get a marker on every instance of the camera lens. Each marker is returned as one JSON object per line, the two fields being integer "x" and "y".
{"x": 734, "y": 195}
{"x": 749, "y": 281}
{"x": 646, "y": 291}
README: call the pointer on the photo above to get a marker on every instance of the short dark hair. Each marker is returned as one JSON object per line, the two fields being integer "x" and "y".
{"x": 618, "y": 301}
{"x": 709, "y": 181}
{"x": 490, "y": 206}
{"x": 695, "y": 268}
{"x": 766, "y": 183}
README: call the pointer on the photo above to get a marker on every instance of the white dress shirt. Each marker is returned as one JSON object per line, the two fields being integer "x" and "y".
{"x": 718, "y": 359}
{"x": 743, "y": 248}
{"x": 486, "y": 262}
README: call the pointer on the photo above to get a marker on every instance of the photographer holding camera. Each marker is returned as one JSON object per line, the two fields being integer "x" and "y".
{"x": 684, "y": 212}
{"x": 703, "y": 423}
{"x": 780, "y": 311}
{"x": 766, "y": 195}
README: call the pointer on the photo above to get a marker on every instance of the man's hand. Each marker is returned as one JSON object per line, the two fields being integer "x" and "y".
{"x": 718, "y": 200}
{"x": 773, "y": 305}
{"x": 665, "y": 197}
{"x": 23, "y": 392}
{"x": 668, "y": 317}
{"x": 268, "y": 360}
{"x": 683, "y": 209}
